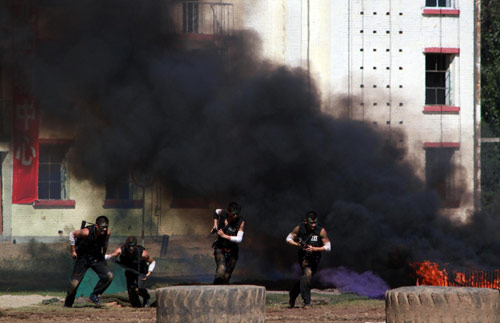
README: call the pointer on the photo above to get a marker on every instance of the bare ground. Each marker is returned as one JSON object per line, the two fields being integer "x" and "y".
{"x": 328, "y": 306}
{"x": 346, "y": 311}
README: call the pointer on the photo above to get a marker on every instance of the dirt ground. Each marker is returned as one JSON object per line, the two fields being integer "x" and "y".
{"x": 350, "y": 311}
{"x": 29, "y": 307}
{"x": 355, "y": 312}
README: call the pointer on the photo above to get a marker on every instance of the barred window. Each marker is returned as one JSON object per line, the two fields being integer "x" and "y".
{"x": 190, "y": 16}
{"x": 439, "y": 173}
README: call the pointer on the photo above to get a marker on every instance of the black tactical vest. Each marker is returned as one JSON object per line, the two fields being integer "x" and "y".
{"x": 134, "y": 260}
{"x": 92, "y": 246}
{"x": 312, "y": 238}
{"x": 231, "y": 229}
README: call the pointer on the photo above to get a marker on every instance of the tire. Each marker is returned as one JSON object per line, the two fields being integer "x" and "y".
{"x": 211, "y": 303}
{"x": 442, "y": 304}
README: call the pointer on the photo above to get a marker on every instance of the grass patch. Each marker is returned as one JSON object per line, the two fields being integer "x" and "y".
{"x": 281, "y": 299}
{"x": 55, "y": 305}
{"x": 42, "y": 293}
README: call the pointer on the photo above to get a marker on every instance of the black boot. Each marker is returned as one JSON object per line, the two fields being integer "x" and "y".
{"x": 291, "y": 302}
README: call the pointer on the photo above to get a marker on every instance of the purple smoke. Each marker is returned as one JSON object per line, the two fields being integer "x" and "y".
{"x": 366, "y": 283}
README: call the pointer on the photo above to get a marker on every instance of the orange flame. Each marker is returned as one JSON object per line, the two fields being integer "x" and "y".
{"x": 429, "y": 273}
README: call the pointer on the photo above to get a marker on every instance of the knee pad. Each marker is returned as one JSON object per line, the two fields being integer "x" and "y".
{"x": 220, "y": 275}
{"x": 109, "y": 276}
{"x": 73, "y": 285}
{"x": 221, "y": 269}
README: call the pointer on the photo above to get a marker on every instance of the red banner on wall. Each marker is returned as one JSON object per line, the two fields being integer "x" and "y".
{"x": 25, "y": 145}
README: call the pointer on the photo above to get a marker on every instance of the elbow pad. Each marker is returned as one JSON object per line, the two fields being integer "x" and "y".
{"x": 107, "y": 257}
{"x": 71, "y": 238}
{"x": 151, "y": 266}
{"x": 238, "y": 238}
{"x": 217, "y": 213}
{"x": 289, "y": 237}
{"x": 328, "y": 246}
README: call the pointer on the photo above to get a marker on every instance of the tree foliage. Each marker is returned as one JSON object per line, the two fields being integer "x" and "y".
{"x": 490, "y": 63}
{"x": 490, "y": 100}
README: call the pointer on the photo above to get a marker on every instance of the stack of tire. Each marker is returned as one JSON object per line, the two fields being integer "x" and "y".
{"x": 211, "y": 303}
{"x": 418, "y": 304}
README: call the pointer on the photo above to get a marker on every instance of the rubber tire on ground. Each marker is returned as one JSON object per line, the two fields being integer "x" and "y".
{"x": 418, "y": 304}
{"x": 211, "y": 303}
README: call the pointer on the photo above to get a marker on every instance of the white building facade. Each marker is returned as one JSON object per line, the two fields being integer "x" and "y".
{"x": 404, "y": 66}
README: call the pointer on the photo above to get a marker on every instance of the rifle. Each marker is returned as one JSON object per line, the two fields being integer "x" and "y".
{"x": 214, "y": 230}
{"x": 305, "y": 242}
{"x": 133, "y": 271}
{"x": 84, "y": 224}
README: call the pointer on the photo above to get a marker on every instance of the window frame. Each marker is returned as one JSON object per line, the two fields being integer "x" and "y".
{"x": 190, "y": 16}
{"x": 116, "y": 200}
{"x": 437, "y": 6}
{"x": 63, "y": 178}
{"x": 65, "y": 202}
{"x": 446, "y": 75}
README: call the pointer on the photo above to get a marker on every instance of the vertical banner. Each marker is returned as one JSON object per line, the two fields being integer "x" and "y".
{"x": 25, "y": 148}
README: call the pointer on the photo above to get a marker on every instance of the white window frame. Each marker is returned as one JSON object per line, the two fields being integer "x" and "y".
{"x": 449, "y": 4}
{"x": 448, "y": 84}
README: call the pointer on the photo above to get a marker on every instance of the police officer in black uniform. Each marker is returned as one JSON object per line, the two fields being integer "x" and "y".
{"x": 88, "y": 247}
{"x": 228, "y": 224}
{"x": 312, "y": 239}
{"x": 138, "y": 266}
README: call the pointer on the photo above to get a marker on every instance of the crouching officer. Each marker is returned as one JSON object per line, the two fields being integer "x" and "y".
{"x": 312, "y": 240}
{"x": 228, "y": 224}
{"x": 88, "y": 247}
{"x": 138, "y": 266}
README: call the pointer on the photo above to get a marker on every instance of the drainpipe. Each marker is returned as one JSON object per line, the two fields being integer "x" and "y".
{"x": 308, "y": 44}
{"x": 477, "y": 105}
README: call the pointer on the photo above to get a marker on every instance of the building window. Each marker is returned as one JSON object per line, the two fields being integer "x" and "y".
{"x": 190, "y": 16}
{"x": 121, "y": 192}
{"x": 119, "y": 189}
{"x": 439, "y": 3}
{"x": 439, "y": 173}
{"x": 438, "y": 87}
{"x": 52, "y": 176}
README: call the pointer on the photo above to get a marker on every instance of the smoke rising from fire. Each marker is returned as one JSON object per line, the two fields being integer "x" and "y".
{"x": 230, "y": 124}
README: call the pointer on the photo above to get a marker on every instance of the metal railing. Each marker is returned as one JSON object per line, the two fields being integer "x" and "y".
{"x": 464, "y": 278}
{"x": 208, "y": 18}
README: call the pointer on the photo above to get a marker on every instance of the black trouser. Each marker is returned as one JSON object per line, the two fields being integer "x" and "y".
{"x": 135, "y": 288}
{"x": 309, "y": 266}
{"x": 225, "y": 259}
{"x": 80, "y": 268}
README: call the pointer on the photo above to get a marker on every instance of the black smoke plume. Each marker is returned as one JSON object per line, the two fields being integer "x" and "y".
{"x": 223, "y": 122}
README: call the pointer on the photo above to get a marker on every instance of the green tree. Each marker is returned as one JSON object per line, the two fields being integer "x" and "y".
{"x": 490, "y": 63}
{"x": 490, "y": 100}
